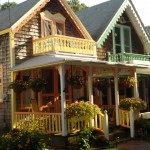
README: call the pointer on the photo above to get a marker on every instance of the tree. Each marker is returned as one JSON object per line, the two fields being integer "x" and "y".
{"x": 76, "y": 5}
{"x": 7, "y": 5}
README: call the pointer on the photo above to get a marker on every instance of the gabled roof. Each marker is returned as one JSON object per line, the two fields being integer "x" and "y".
{"x": 148, "y": 29}
{"x": 97, "y": 18}
{"x": 15, "y": 13}
{"x": 15, "y": 17}
{"x": 101, "y": 19}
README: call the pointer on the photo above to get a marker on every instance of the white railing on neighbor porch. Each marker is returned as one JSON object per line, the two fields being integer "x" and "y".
{"x": 126, "y": 119}
{"x": 52, "y": 122}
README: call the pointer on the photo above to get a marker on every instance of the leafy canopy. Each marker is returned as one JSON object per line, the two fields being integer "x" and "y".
{"x": 76, "y": 5}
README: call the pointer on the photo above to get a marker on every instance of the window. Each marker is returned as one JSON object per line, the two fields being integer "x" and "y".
{"x": 47, "y": 27}
{"x": 59, "y": 28}
{"x": 122, "y": 39}
{"x": 1, "y": 82}
{"x": 52, "y": 24}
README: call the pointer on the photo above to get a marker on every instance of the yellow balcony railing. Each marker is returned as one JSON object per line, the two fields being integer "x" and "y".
{"x": 59, "y": 43}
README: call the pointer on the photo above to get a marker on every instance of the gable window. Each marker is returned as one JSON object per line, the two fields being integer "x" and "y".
{"x": 122, "y": 39}
{"x": 52, "y": 24}
{"x": 59, "y": 28}
{"x": 47, "y": 27}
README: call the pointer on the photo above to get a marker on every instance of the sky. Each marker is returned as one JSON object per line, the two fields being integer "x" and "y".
{"x": 142, "y": 7}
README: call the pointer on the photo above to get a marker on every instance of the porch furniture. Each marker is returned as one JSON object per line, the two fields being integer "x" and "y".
{"x": 35, "y": 107}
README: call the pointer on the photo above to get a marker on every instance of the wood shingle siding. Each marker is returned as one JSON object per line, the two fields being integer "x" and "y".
{"x": 5, "y": 108}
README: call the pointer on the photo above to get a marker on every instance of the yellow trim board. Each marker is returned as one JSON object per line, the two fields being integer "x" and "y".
{"x": 5, "y": 31}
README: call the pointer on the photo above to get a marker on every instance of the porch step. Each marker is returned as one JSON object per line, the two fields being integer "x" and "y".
{"x": 118, "y": 133}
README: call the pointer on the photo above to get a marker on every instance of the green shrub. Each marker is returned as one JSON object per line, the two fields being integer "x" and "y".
{"x": 33, "y": 137}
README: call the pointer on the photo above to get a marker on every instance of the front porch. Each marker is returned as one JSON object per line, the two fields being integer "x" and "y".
{"x": 58, "y": 93}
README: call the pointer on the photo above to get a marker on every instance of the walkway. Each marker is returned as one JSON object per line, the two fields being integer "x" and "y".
{"x": 135, "y": 145}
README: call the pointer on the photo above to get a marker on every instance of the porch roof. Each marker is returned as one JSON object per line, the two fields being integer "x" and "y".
{"x": 49, "y": 60}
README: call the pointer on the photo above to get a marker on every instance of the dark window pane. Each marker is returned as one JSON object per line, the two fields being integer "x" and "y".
{"x": 48, "y": 75}
{"x": 117, "y": 36}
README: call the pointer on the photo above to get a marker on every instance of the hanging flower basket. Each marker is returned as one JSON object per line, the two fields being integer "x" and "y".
{"x": 36, "y": 84}
{"x": 76, "y": 81}
{"x": 127, "y": 82}
{"x": 101, "y": 84}
{"x": 18, "y": 86}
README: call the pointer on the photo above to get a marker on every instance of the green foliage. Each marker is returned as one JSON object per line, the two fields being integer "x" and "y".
{"x": 7, "y": 5}
{"x": 80, "y": 111}
{"x": 33, "y": 136}
{"x": 83, "y": 140}
{"x": 76, "y": 80}
{"x": 17, "y": 85}
{"x": 36, "y": 83}
{"x": 24, "y": 139}
{"x": 135, "y": 103}
{"x": 76, "y": 5}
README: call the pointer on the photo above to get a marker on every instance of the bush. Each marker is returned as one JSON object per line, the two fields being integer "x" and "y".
{"x": 33, "y": 137}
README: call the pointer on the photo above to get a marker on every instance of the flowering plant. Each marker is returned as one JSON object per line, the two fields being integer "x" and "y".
{"x": 80, "y": 111}
{"x": 36, "y": 84}
{"x": 77, "y": 80}
{"x": 135, "y": 103}
{"x": 101, "y": 83}
{"x": 128, "y": 81}
{"x": 34, "y": 137}
{"x": 18, "y": 85}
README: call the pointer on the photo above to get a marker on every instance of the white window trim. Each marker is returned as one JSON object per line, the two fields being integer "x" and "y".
{"x": 122, "y": 38}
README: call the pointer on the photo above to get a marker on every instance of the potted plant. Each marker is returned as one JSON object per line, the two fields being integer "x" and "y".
{"x": 36, "y": 84}
{"x": 18, "y": 86}
{"x": 80, "y": 111}
{"x": 76, "y": 81}
{"x": 136, "y": 104}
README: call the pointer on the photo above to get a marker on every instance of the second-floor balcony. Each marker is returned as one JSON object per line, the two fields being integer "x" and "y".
{"x": 64, "y": 44}
{"x": 129, "y": 58}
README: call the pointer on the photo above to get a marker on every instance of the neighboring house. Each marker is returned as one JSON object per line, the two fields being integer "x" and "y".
{"x": 121, "y": 38}
{"x": 46, "y": 39}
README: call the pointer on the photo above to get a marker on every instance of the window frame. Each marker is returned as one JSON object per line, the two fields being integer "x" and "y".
{"x": 122, "y": 37}
{"x": 54, "y": 19}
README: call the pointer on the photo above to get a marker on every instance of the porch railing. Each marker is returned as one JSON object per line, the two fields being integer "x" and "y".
{"x": 111, "y": 111}
{"x": 126, "y": 119}
{"x": 119, "y": 57}
{"x": 52, "y": 122}
{"x": 60, "y": 43}
{"x": 97, "y": 123}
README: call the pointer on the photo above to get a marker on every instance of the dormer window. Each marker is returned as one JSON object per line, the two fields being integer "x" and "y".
{"x": 52, "y": 24}
{"x": 122, "y": 39}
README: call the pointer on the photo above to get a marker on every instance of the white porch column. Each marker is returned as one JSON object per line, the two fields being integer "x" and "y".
{"x": 116, "y": 95}
{"x": 136, "y": 93}
{"x": 109, "y": 93}
{"x": 90, "y": 85}
{"x": 63, "y": 100}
